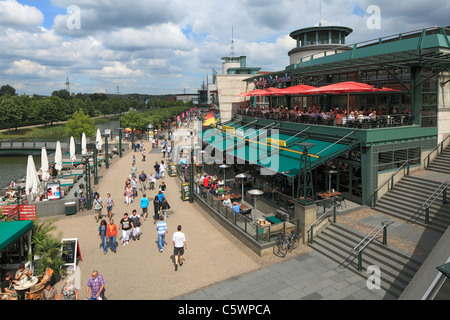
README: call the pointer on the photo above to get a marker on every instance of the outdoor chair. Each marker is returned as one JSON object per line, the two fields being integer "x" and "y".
{"x": 7, "y": 296}
{"x": 247, "y": 213}
{"x": 340, "y": 201}
{"x": 35, "y": 294}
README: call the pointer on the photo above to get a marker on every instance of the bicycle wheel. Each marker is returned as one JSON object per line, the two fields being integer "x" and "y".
{"x": 295, "y": 241}
{"x": 280, "y": 249}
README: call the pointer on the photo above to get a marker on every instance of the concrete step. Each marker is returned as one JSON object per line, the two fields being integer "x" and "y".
{"x": 398, "y": 268}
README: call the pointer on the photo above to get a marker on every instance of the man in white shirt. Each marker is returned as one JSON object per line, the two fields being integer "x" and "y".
{"x": 179, "y": 243}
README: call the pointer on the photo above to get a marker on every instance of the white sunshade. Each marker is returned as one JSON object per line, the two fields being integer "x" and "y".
{"x": 83, "y": 144}
{"x": 58, "y": 156}
{"x": 32, "y": 180}
{"x": 44, "y": 165}
{"x": 98, "y": 140}
{"x": 72, "y": 149}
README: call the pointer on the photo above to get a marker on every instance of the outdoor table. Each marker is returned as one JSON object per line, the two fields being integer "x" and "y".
{"x": 326, "y": 195}
{"x": 23, "y": 285}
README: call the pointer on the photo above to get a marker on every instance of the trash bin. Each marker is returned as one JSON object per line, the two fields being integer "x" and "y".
{"x": 70, "y": 208}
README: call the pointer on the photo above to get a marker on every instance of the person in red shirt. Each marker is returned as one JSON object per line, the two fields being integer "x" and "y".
{"x": 111, "y": 233}
{"x": 206, "y": 182}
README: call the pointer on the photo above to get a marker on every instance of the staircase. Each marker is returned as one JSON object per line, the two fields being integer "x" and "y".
{"x": 405, "y": 200}
{"x": 336, "y": 241}
{"x": 442, "y": 162}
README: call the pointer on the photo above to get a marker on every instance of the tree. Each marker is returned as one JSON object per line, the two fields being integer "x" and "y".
{"x": 80, "y": 123}
{"x": 63, "y": 94}
{"x": 133, "y": 119}
{"x": 7, "y": 90}
{"x": 11, "y": 112}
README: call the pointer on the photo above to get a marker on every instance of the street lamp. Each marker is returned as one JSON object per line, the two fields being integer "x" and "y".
{"x": 224, "y": 167}
{"x": 329, "y": 179}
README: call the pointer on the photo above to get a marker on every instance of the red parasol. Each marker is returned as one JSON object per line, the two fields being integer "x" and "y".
{"x": 299, "y": 89}
{"x": 256, "y": 92}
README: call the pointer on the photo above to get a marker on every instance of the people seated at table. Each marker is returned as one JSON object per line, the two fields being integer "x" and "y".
{"x": 7, "y": 285}
{"x": 236, "y": 206}
{"x": 226, "y": 202}
{"x": 22, "y": 272}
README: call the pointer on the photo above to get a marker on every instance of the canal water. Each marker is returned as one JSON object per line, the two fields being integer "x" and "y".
{"x": 15, "y": 167}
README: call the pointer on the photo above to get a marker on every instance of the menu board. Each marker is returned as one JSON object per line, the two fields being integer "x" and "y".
{"x": 185, "y": 191}
{"x": 70, "y": 252}
{"x": 172, "y": 170}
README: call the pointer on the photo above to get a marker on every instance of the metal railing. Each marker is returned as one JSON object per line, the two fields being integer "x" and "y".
{"x": 425, "y": 207}
{"x": 359, "y": 248}
{"x": 439, "y": 148}
{"x": 326, "y": 213}
{"x": 374, "y": 197}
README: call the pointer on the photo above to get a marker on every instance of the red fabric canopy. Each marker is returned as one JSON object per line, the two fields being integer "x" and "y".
{"x": 256, "y": 92}
{"x": 344, "y": 87}
{"x": 274, "y": 91}
{"x": 299, "y": 89}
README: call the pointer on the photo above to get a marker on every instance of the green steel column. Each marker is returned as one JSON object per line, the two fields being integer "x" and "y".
{"x": 95, "y": 167}
{"x": 120, "y": 142}
{"x": 191, "y": 178}
{"x": 106, "y": 153}
{"x": 416, "y": 95}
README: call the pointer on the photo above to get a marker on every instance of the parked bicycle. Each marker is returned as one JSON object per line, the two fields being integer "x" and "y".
{"x": 285, "y": 244}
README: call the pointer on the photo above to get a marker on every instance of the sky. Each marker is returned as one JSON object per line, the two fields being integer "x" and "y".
{"x": 171, "y": 46}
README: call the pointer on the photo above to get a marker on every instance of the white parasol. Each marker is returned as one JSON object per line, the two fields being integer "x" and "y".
{"x": 83, "y": 144}
{"x": 32, "y": 182}
{"x": 72, "y": 150}
{"x": 98, "y": 140}
{"x": 58, "y": 157}
{"x": 44, "y": 165}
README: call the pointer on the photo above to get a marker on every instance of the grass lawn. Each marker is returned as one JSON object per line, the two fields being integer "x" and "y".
{"x": 55, "y": 131}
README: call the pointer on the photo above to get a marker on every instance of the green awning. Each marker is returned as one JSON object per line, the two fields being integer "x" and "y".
{"x": 10, "y": 231}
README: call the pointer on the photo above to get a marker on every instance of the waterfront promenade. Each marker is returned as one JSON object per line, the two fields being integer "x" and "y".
{"x": 217, "y": 265}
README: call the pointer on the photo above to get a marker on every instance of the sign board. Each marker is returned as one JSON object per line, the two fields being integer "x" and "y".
{"x": 27, "y": 212}
{"x": 53, "y": 191}
{"x": 70, "y": 252}
{"x": 276, "y": 142}
{"x": 172, "y": 170}
{"x": 10, "y": 211}
{"x": 228, "y": 129}
{"x": 185, "y": 191}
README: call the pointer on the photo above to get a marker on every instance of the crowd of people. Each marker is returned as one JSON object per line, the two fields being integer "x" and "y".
{"x": 339, "y": 117}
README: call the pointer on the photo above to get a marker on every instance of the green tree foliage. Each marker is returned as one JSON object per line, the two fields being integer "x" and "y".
{"x": 79, "y": 123}
{"x": 11, "y": 112}
{"x": 7, "y": 90}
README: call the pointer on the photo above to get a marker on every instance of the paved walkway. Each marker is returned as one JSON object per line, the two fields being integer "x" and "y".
{"x": 217, "y": 265}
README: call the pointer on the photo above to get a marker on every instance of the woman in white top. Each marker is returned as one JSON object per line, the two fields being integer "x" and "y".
{"x": 162, "y": 169}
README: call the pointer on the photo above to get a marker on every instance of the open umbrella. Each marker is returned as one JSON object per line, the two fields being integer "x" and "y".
{"x": 72, "y": 149}
{"x": 254, "y": 93}
{"x": 32, "y": 180}
{"x": 44, "y": 165}
{"x": 98, "y": 140}
{"x": 58, "y": 156}
{"x": 83, "y": 144}
{"x": 298, "y": 89}
{"x": 344, "y": 87}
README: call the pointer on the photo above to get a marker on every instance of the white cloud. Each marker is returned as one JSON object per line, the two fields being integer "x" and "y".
{"x": 14, "y": 14}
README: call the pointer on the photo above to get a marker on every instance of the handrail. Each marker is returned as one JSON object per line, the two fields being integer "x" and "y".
{"x": 431, "y": 199}
{"x": 441, "y": 145}
{"x": 389, "y": 179}
{"x": 379, "y": 227}
{"x": 358, "y": 249}
{"x": 325, "y": 214}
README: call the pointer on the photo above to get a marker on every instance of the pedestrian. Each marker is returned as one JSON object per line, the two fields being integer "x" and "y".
{"x": 111, "y": 233}
{"x": 50, "y": 292}
{"x": 162, "y": 186}
{"x": 98, "y": 206}
{"x": 68, "y": 291}
{"x": 153, "y": 142}
{"x": 160, "y": 195}
{"x": 164, "y": 151}
{"x": 164, "y": 207}
{"x": 128, "y": 194}
{"x": 134, "y": 158}
{"x": 143, "y": 180}
{"x": 169, "y": 148}
{"x": 157, "y": 168}
{"x": 133, "y": 171}
{"x": 143, "y": 155}
{"x": 109, "y": 204}
{"x": 102, "y": 228}
{"x": 144, "y": 205}
{"x": 126, "y": 225}
{"x": 156, "y": 208}
{"x": 179, "y": 244}
{"x": 137, "y": 222}
{"x": 134, "y": 186}
{"x": 96, "y": 284}
{"x": 151, "y": 180}
{"x": 161, "y": 227}
{"x": 162, "y": 169}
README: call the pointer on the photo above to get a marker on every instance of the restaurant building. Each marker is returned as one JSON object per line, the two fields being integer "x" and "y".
{"x": 412, "y": 112}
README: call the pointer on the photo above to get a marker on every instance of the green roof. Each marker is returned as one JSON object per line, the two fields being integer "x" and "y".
{"x": 10, "y": 231}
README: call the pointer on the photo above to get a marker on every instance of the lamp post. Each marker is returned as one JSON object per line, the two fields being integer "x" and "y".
{"x": 95, "y": 164}
{"x": 106, "y": 152}
{"x": 224, "y": 167}
{"x": 87, "y": 171}
{"x": 132, "y": 135}
{"x": 305, "y": 178}
{"x": 329, "y": 179}
{"x": 191, "y": 178}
